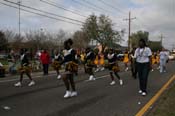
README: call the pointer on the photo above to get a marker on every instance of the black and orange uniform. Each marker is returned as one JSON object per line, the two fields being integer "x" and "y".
{"x": 89, "y": 62}
{"x": 25, "y": 66}
{"x": 71, "y": 68}
{"x": 57, "y": 62}
{"x": 113, "y": 65}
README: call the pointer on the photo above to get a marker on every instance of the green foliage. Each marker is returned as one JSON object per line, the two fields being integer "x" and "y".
{"x": 135, "y": 37}
{"x": 3, "y": 41}
{"x": 100, "y": 29}
{"x": 155, "y": 45}
{"x": 80, "y": 39}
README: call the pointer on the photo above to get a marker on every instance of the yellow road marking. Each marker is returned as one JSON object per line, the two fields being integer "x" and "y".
{"x": 154, "y": 99}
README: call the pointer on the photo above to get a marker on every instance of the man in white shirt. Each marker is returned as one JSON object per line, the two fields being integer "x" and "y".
{"x": 143, "y": 60}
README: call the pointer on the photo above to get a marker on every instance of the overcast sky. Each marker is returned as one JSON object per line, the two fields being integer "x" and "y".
{"x": 155, "y": 16}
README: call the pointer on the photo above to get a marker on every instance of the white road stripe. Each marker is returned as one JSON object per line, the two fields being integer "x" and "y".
{"x": 97, "y": 78}
{"x": 11, "y": 80}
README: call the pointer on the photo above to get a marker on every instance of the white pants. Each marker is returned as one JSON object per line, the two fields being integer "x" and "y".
{"x": 162, "y": 65}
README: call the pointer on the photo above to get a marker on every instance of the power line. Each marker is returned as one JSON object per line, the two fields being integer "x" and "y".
{"x": 111, "y": 6}
{"x": 44, "y": 11}
{"x": 89, "y": 6}
{"x": 61, "y": 7}
{"x": 80, "y": 3}
{"x": 40, "y": 14}
{"x": 95, "y": 6}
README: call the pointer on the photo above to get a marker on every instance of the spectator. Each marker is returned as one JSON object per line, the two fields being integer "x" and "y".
{"x": 2, "y": 70}
{"x": 163, "y": 60}
{"x": 45, "y": 60}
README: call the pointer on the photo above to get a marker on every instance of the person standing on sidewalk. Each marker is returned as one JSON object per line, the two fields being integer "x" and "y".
{"x": 45, "y": 60}
{"x": 143, "y": 58}
{"x": 163, "y": 60}
{"x": 25, "y": 68}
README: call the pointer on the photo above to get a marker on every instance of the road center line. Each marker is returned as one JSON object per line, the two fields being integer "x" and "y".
{"x": 155, "y": 97}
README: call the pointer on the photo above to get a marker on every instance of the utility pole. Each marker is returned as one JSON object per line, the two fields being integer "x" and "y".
{"x": 129, "y": 30}
{"x": 19, "y": 23}
{"x": 161, "y": 39}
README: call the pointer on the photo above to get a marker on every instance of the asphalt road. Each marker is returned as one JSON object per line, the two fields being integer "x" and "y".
{"x": 96, "y": 98}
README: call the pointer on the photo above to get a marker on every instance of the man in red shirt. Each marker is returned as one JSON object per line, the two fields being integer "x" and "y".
{"x": 45, "y": 59}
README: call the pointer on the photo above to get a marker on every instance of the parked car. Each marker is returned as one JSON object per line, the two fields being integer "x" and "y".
{"x": 171, "y": 57}
{"x": 3, "y": 56}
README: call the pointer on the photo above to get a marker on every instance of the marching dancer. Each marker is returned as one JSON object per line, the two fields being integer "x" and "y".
{"x": 57, "y": 63}
{"x": 25, "y": 68}
{"x": 113, "y": 66}
{"x": 89, "y": 63}
{"x": 70, "y": 68}
{"x": 154, "y": 60}
{"x": 126, "y": 60}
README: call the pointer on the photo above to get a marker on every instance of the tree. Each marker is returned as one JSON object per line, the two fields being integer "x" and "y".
{"x": 155, "y": 45}
{"x": 80, "y": 39}
{"x": 100, "y": 29}
{"x": 4, "y": 42}
{"x": 135, "y": 37}
{"x": 17, "y": 42}
{"x": 91, "y": 28}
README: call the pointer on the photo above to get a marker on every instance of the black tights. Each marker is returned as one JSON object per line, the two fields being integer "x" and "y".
{"x": 90, "y": 71}
{"x": 69, "y": 80}
{"x": 116, "y": 74}
{"x": 58, "y": 72}
{"x": 28, "y": 74}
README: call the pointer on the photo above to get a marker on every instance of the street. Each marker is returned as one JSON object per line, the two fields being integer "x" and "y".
{"x": 94, "y": 97}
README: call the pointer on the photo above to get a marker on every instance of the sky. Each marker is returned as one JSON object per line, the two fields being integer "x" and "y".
{"x": 155, "y": 16}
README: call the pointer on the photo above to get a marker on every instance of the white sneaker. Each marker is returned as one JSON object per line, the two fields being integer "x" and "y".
{"x": 31, "y": 83}
{"x": 91, "y": 78}
{"x": 59, "y": 77}
{"x": 73, "y": 94}
{"x": 143, "y": 93}
{"x": 112, "y": 83}
{"x": 18, "y": 84}
{"x": 140, "y": 91}
{"x": 158, "y": 67}
{"x": 121, "y": 82}
{"x": 68, "y": 94}
{"x": 102, "y": 69}
{"x": 152, "y": 70}
{"x": 126, "y": 69}
{"x": 97, "y": 70}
